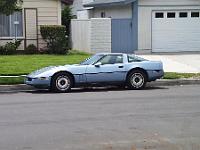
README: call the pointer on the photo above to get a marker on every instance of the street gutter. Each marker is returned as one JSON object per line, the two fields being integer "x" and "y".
{"x": 161, "y": 82}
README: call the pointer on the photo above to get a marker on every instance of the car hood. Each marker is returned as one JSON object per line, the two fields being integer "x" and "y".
{"x": 50, "y": 70}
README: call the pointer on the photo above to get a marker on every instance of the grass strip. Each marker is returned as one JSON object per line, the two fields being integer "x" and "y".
{"x": 173, "y": 75}
{"x": 11, "y": 81}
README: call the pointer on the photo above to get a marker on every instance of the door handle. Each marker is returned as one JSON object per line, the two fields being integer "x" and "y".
{"x": 120, "y": 66}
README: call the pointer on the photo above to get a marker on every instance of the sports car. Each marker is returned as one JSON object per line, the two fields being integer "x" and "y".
{"x": 127, "y": 70}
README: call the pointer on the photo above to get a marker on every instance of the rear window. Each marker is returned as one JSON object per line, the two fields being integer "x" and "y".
{"x": 133, "y": 58}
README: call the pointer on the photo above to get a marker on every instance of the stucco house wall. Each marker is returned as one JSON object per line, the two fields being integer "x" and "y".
{"x": 113, "y": 12}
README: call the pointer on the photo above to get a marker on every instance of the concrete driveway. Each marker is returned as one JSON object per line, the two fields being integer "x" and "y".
{"x": 181, "y": 63}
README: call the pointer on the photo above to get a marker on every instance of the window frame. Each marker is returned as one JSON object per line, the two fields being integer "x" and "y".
{"x": 10, "y": 22}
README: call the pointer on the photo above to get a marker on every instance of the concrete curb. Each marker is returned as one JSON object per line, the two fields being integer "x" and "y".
{"x": 174, "y": 82}
{"x": 162, "y": 82}
{"x": 18, "y": 87}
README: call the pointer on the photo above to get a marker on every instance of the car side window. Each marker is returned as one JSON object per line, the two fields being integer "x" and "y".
{"x": 112, "y": 59}
{"x": 133, "y": 58}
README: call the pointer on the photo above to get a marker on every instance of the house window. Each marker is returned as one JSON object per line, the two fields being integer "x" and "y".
{"x": 103, "y": 14}
{"x": 12, "y": 25}
{"x": 195, "y": 14}
{"x": 183, "y": 14}
{"x": 171, "y": 15}
{"x": 159, "y": 15}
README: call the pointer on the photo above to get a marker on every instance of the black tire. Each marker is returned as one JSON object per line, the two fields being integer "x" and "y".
{"x": 136, "y": 80}
{"x": 61, "y": 83}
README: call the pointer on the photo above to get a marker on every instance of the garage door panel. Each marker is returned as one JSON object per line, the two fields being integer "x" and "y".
{"x": 175, "y": 34}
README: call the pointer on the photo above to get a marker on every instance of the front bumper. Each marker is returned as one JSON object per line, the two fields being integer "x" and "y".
{"x": 37, "y": 82}
{"x": 155, "y": 74}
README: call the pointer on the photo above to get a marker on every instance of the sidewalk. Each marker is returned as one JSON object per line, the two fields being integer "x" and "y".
{"x": 180, "y": 63}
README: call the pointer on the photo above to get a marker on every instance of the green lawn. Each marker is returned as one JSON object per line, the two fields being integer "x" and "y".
{"x": 24, "y": 64}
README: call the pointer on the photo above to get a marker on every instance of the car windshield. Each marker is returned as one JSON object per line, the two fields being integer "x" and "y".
{"x": 92, "y": 59}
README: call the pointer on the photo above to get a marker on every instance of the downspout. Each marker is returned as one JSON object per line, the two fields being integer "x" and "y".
{"x": 135, "y": 24}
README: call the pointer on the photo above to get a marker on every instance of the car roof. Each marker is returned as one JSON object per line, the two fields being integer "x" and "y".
{"x": 111, "y": 54}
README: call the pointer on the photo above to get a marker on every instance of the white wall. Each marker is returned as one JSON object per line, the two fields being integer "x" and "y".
{"x": 77, "y": 8}
{"x": 123, "y": 11}
{"x": 145, "y": 17}
{"x": 83, "y": 14}
{"x": 92, "y": 35}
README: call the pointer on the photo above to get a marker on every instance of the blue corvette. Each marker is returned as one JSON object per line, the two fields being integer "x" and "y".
{"x": 100, "y": 69}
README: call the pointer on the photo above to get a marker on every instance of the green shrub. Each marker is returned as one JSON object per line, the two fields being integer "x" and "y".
{"x": 2, "y": 50}
{"x": 66, "y": 18}
{"x": 54, "y": 35}
{"x": 10, "y": 48}
{"x": 31, "y": 49}
{"x": 77, "y": 52}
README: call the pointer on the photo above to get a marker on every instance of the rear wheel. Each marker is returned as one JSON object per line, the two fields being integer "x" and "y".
{"x": 137, "y": 80}
{"x": 61, "y": 82}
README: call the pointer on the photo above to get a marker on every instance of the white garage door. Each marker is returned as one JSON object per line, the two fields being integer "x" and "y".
{"x": 176, "y": 31}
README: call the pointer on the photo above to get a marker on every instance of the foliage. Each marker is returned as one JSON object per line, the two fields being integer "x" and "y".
{"x": 66, "y": 18}
{"x": 31, "y": 49}
{"x": 55, "y": 37}
{"x": 9, "y": 6}
{"x": 10, "y": 48}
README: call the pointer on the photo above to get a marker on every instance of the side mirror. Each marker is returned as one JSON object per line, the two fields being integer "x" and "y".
{"x": 98, "y": 64}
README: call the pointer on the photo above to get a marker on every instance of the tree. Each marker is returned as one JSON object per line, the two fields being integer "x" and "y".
{"x": 66, "y": 18}
{"x": 9, "y": 6}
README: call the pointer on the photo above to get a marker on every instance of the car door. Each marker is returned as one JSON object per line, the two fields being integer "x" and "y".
{"x": 108, "y": 69}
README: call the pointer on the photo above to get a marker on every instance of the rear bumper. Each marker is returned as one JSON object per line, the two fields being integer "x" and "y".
{"x": 38, "y": 83}
{"x": 155, "y": 74}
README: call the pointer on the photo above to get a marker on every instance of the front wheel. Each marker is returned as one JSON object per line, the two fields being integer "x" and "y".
{"x": 61, "y": 82}
{"x": 136, "y": 80}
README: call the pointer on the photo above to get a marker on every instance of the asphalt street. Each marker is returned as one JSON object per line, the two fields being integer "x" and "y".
{"x": 158, "y": 118}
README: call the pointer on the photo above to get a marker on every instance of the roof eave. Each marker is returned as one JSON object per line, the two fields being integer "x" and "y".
{"x": 108, "y": 4}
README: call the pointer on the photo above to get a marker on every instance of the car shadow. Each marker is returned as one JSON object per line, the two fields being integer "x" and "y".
{"x": 97, "y": 89}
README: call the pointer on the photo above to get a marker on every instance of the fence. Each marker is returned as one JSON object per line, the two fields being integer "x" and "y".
{"x": 93, "y": 35}
{"x": 81, "y": 34}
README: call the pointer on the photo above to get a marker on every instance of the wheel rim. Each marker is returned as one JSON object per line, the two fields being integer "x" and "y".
{"x": 63, "y": 83}
{"x": 137, "y": 80}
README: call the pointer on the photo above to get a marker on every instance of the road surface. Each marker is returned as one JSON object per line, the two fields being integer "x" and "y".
{"x": 159, "y": 118}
